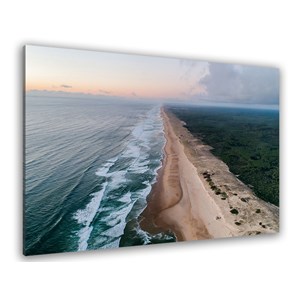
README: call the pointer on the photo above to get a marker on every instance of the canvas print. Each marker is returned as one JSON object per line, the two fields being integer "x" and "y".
{"x": 124, "y": 150}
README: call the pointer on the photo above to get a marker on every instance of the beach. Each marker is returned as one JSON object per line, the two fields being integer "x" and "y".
{"x": 197, "y": 197}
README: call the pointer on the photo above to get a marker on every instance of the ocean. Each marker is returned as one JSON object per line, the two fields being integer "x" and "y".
{"x": 89, "y": 166}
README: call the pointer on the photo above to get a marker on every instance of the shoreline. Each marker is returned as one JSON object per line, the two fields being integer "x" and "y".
{"x": 169, "y": 208}
{"x": 197, "y": 197}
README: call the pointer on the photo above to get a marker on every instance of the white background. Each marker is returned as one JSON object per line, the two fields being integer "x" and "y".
{"x": 256, "y": 32}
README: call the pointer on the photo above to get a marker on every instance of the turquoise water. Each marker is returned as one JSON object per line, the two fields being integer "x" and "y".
{"x": 89, "y": 166}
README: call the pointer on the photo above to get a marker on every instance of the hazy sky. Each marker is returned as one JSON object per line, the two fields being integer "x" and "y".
{"x": 148, "y": 77}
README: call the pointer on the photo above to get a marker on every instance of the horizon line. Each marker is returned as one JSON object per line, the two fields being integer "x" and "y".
{"x": 201, "y": 102}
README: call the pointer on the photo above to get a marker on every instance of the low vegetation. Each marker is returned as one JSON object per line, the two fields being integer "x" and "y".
{"x": 216, "y": 189}
{"x": 247, "y": 140}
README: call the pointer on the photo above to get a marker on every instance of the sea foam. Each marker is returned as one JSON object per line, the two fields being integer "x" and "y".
{"x": 85, "y": 217}
{"x": 122, "y": 171}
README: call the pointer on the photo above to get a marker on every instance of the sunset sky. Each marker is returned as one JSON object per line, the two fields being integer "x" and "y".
{"x": 72, "y": 71}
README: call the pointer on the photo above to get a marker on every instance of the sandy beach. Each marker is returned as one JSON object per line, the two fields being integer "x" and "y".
{"x": 196, "y": 197}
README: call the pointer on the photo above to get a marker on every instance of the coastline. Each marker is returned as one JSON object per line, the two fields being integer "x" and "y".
{"x": 197, "y": 197}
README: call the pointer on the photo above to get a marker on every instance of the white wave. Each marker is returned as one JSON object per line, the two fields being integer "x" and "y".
{"x": 140, "y": 197}
{"x": 126, "y": 198}
{"x": 85, "y": 217}
{"x": 104, "y": 242}
{"x": 145, "y": 236}
{"x": 104, "y": 169}
{"x": 143, "y": 193}
{"x": 132, "y": 150}
{"x": 145, "y": 134}
{"x": 84, "y": 234}
{"x": 137, "y": 131}
{"x": 148, "y": 133}
{"x": 117, "y": 218}
{"x": 112, "y": 244}
{"x": 116, "y": 178}
{"x": 116, "y": 221}
{"x": 140, "y": 166}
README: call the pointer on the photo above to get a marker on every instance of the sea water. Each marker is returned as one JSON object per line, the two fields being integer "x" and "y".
{"x": 89, "y": 166}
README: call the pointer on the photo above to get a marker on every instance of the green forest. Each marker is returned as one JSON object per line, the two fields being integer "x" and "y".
{"x": 247, "y": 140}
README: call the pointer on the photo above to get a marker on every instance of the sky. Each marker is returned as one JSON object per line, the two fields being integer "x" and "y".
{"x": 69, "y": 72}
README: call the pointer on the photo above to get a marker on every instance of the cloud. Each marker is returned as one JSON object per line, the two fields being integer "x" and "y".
{"x": 104, "y": 91}
{"x": 56, "y": 93}
{"x": 191, "y": 72}
{"x": 66, "y": 86}
{"x": 44, "y": 94}
{"x": 241, "y": 84}
{"x": 133, "y": 94}
{"x": 192, "y": 69}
